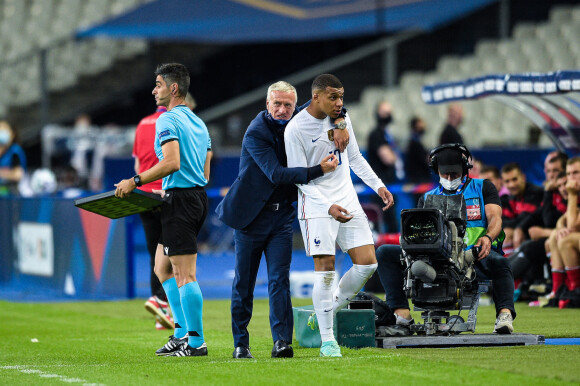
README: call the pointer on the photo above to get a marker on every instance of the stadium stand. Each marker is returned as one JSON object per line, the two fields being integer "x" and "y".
{"x": 533, "y": 47}
{"x": 29, "y": 26}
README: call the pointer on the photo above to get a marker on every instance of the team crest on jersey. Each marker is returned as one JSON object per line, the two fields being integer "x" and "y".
{"x": 317, "y": 241}
{"x": 474, "y": 210}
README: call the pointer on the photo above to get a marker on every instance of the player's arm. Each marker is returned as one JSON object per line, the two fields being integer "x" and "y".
{"x": 572, "y": 217}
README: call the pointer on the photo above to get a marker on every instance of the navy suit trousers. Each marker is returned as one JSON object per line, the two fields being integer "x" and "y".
{"x": 270, "y": 233}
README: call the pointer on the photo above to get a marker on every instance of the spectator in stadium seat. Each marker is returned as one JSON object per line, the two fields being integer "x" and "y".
{"x": 564, "y": 242}
{"x": 385, "y": 158}
{"x": 524, "y": 199}
{"x": 12, "y": 160}
{"x": 450, "y": 133}
{"x": 329, "y": 210}
{"x": 484, "y": 229}
{"x": 259, "y": 208}
{"x": 181, "y": 143}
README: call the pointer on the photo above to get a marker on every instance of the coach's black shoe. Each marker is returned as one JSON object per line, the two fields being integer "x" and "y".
{"x": 242, "y": 352}
{"x": 171, "y": 346}
{"x": 187, "y": 351}
{"x": 282, "y": 349}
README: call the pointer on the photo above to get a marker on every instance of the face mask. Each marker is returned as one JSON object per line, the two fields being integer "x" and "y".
{"x": 450, "y": 185}
{"x": 384, "y": 121}
{"x": 4, "y": 137}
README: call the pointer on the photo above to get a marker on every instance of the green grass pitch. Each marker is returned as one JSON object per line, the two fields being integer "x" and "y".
{"x": 113, "y": 343}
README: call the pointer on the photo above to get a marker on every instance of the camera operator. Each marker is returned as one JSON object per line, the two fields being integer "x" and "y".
{"x": 484, "y": 230}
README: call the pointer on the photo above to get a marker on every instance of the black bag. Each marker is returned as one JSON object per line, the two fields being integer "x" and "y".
{"x": 384, "y": 316}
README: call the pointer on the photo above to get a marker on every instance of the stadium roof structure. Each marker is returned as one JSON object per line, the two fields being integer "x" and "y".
{"x": 262, "y": 21}
{"x": 550, "y": 100}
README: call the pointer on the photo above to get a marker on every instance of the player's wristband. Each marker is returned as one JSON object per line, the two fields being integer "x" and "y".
{"x": 489, "y": 237}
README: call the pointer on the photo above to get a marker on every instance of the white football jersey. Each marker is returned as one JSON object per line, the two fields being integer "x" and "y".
{"x": 307, "y": 143}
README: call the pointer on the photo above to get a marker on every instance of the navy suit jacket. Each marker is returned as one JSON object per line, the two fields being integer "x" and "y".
{"x": 262, "y": 170}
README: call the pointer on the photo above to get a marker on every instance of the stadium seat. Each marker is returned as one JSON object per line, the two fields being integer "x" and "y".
{"x": 524, "y": 31}
{"x": 485, "y": 48}
{"x": 560, "y": 14}
{"x": 548, "y": 33}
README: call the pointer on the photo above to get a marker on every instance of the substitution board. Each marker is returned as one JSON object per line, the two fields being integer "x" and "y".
{"x": 106, "y": 204}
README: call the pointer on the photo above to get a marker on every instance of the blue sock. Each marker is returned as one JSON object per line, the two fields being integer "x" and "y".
{"x": 173, "y": 297}
{"x": 192, "y": 304}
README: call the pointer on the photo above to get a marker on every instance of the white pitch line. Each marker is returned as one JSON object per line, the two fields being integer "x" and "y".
{"x": 42, "y": 374}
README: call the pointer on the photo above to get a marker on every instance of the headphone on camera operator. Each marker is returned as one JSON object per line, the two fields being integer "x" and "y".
{"x": 456, "y": 161}
{"x": 466, "y": 156}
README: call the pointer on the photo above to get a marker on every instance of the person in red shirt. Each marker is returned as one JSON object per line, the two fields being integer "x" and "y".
{"x": 524, "y": 199}
{"x": 145, "y": 158}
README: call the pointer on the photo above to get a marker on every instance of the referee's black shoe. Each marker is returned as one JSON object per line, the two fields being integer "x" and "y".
{"x": 174, "y": 344}
{"x": 282, "y": 349}
{"x": 187, "y": 351}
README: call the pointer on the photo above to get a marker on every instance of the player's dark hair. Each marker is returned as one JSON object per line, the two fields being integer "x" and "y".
{"x": 321, "y": 82}
{"x": 175, "y": 73}
{"x": 511, "y": 166}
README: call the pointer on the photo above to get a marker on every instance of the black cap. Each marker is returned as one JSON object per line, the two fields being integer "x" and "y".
{"x": 450, "y": 161}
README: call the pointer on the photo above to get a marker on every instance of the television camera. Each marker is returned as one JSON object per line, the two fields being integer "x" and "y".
{"x": 440, "y": 274}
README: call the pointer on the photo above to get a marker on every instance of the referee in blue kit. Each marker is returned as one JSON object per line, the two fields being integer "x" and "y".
{"x": 181, "y": 145}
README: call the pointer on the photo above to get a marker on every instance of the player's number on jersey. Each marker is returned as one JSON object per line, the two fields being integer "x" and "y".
{"x": 337, "y": 154}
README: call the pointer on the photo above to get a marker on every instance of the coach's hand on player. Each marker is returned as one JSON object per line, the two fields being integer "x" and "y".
{"x": 339, "y": 213}
{"x": 341, "y": 137}
{"x": 387, "y": 198}
{"x": 329, "y": 164}
{"x": 124, "y": 188}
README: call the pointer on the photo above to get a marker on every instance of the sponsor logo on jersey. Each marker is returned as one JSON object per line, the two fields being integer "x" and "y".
{"x": 163, "y": 134}
{"x": 314, "y": 140}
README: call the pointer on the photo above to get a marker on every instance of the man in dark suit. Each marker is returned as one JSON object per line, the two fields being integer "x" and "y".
{"x": 259, "y": 208}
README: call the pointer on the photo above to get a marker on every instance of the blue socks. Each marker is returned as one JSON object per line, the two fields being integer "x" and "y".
{"x": 173, "y": 297}
{"x": 192, "y": 303}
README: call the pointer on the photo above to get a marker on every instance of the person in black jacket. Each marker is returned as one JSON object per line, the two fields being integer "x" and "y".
{"x": 450, "y": 132}
{"x": 417, "y": 161}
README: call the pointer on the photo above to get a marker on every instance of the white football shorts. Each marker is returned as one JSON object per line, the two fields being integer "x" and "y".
{"x": 321, "y": 234}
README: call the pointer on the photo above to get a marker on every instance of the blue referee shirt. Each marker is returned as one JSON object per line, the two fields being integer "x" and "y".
{"x": 188, "y": 129}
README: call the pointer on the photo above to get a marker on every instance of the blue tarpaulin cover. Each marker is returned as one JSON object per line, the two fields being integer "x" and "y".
{"x": 259, "y": 21}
